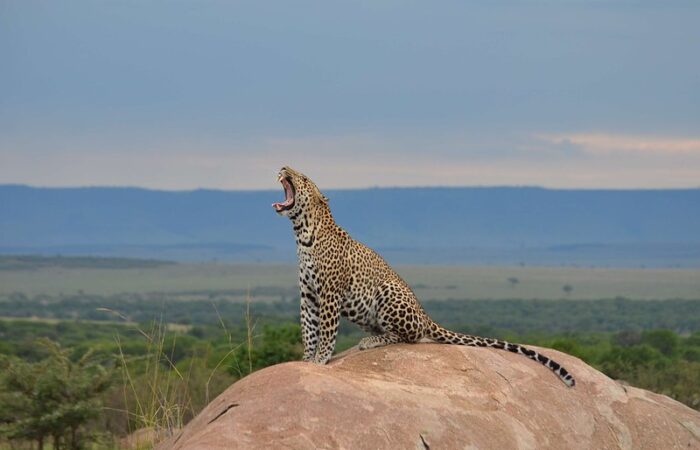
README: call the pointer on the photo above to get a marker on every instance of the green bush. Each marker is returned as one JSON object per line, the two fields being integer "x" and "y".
{"x": 53, "y": 398}
{"x": 276, "y": 344}
{"x": 665, "y": 341}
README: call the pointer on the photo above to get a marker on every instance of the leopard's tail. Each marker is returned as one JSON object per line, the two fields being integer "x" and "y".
{"x": 441, "y": 335}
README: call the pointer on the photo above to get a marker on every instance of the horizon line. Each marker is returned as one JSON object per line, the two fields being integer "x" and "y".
{"x": 366, "y": 188}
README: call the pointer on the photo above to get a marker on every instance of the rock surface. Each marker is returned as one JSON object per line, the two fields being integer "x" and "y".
{"x": 429, "y": 396}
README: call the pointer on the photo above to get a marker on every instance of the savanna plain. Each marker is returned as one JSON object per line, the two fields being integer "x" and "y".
{"x": 95, "y": 351}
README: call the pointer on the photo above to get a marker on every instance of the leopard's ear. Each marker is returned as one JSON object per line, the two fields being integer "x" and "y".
{"x": 320, "y": 195}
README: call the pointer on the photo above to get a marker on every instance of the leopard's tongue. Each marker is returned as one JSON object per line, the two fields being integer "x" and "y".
{"x": 279, "y": 206}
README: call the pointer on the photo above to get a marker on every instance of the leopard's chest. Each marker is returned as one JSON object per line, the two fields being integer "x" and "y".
{"x": 309, "y": 271}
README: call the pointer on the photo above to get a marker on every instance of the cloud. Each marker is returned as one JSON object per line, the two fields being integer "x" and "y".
{"x": 602, "y": 143}
{"x": 358, "y": 160}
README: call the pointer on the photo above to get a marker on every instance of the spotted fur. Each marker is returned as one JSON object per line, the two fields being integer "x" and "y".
{"x": 339, "y": 276}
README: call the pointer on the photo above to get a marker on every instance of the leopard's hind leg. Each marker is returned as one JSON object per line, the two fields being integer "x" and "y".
{"x": 398, "y": 317}
{"x": 379, "y": 340}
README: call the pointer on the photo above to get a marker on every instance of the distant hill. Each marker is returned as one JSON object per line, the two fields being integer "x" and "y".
{"x": 502, "y": 225}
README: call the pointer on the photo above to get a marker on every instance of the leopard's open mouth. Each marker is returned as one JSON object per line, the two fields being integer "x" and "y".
{"x": 289, "y": 193}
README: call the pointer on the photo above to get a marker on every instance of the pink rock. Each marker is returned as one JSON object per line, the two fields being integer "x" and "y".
{"x": 438, "y": 397}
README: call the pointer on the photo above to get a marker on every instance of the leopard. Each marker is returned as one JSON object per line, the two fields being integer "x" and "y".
{"x": 341, "y": 277}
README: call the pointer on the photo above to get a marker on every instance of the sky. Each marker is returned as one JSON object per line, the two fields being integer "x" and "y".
{"x": 221, "y": 94}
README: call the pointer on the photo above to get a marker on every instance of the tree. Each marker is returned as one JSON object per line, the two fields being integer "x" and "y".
{"x": 513, "y": 281}
{"x": 567, "y": 288}
{"x": 665, "y": 341}
{"x": 55, "y": 397}
{"x": 627, "y": 338}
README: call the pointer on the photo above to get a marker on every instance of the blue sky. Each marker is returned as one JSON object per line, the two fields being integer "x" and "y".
{"x": 220, "y": 94}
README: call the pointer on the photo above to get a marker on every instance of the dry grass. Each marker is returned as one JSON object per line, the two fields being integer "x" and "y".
{"x": 157, "y": 395}
{"x": 431, "y": 282}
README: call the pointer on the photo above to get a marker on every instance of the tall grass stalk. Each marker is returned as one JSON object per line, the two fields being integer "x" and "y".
{"x": 157, "y": 395}
{"x": 249, "y": 326}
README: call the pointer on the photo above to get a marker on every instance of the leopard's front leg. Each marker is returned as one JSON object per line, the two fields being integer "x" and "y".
{"x": 309, "y": 323}
{"x": 329, "y": 314}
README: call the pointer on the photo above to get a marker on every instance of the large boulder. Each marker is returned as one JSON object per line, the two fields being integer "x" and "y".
{"x": 430, "y": 396}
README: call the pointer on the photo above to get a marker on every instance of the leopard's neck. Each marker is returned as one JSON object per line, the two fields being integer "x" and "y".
{"x": 307, "y": 223}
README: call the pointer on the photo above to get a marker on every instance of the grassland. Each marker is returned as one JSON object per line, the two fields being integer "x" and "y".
{"x": 487, "y": 300}
{"x": 184, "y": 332}
{"x": 272, "y": 281}
{"x": 438, "y": 283}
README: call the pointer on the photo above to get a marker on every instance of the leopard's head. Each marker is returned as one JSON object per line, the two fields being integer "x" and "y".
{"x": 300, "y": 194}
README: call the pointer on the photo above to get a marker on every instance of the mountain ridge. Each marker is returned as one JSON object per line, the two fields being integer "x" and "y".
{"x": 498, "y": 225}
